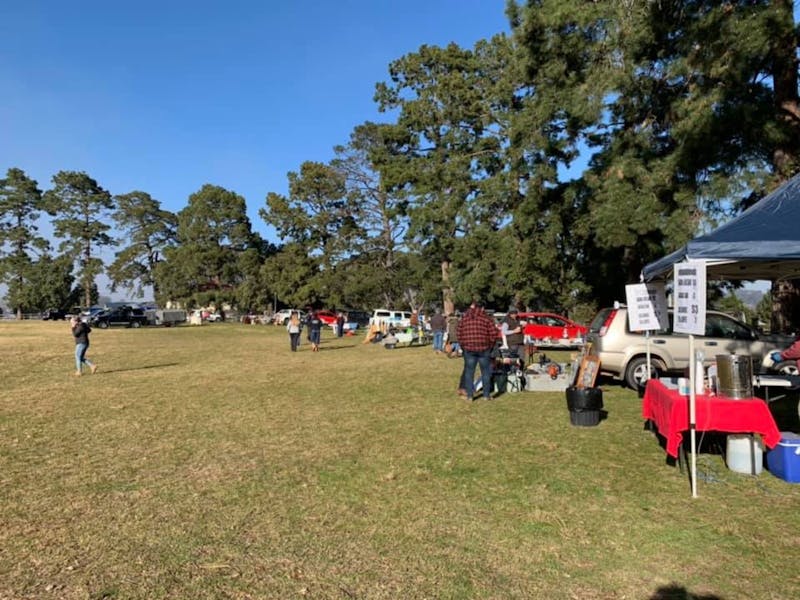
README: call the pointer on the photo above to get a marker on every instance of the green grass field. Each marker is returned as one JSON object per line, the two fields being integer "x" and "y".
{"x": 210, "y": 462}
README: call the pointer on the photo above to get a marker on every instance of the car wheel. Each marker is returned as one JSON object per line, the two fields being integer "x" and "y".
{"x": 786, "y": 367}
{"x": 136, "y": 324}
{"x": 636, "y": 371}
{"x": 103, "y": 325}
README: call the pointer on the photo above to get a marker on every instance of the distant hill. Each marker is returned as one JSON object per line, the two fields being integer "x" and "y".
{"x": 751, "y": 298}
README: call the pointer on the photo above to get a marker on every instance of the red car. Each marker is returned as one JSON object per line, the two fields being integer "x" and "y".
{"x": 540, "y": 326}
{"x": 328, "y": 317}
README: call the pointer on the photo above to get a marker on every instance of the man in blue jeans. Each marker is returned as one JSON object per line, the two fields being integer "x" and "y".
{"x": 438, "y": 327}
{"x": 477, "y": 335}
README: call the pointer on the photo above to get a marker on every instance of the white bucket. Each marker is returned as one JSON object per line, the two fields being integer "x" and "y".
{"x": 745, "y": 454}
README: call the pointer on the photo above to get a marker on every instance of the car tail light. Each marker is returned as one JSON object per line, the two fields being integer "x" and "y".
{"x": 607, "y": 323}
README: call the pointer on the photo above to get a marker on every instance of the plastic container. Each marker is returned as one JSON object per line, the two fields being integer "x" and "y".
{"x": 584, "y": 418}
{"x": 784, "y": 459}
{"x": 745, "y": 454}
{"x": 586, "y": 398}
{"x": 584, "y": 405}
{"x": 734, "y": 376}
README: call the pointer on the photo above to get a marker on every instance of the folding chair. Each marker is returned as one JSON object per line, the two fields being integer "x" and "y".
{"x": 516, "y": 379}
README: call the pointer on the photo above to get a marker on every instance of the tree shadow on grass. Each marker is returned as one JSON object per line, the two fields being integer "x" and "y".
{"x": 140, "y": 368}
{"x": 326, "y": 348}
{"x": 404, "y": 346}
{"x": 678, "y": 592}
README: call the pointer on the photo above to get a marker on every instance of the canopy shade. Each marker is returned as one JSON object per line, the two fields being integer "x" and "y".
{"x": 761, "y": 243}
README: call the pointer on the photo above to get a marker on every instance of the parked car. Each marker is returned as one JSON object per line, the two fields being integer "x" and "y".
{"x": 87, "y": 315}
{"x": 359, "y": 317}
{"x": 214, "y": 317}
{"x": 544, "y": 326}
{"x": 282, "y": 316}
{"x": 124, "y": 316}
{"x": 398, "y": 318}
{"x": 622, "y": 352}
{"x": 328, "y": 317}
{"x": 54, "y": 314}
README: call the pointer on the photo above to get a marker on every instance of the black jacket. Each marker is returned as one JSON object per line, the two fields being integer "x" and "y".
{"x": 81, "y": 333}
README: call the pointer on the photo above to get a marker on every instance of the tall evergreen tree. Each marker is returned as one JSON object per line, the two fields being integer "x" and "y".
{"x": 445, "y": 147}
{"x": 317, "y": 216}
{"x": 51, "y": 284}
{"x": 215, "y": 243}
{"x": 81, "y": 211}
{"x": 147, "y": 230}
{"x": 21, "y": 205}
{"x": 293, "y": 276}
{"x": 371, "y": 276}
{"x": 684, "y": 109}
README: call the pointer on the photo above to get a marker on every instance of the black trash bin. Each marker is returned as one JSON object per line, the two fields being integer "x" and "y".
{"x": 584, "y": 405}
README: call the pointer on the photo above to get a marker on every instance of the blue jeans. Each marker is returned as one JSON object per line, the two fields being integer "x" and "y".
{"x": 438, "y": 341}
{"x": 80, "y": 356}
{"x": 483, "y": 359}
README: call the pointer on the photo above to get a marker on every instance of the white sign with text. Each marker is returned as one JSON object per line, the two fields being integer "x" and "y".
{"x": 690, "y": 297}
{"x": 647, "y": 306}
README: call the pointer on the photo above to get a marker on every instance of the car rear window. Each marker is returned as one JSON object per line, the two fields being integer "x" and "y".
{"x": 599, "y": 320}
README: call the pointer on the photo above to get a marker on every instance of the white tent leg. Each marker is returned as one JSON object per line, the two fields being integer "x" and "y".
{"x": 693, "y": 414}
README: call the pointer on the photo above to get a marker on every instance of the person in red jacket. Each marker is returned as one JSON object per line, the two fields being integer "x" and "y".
{"x": 791, "y": 353}
{"x": 477, "y": 335}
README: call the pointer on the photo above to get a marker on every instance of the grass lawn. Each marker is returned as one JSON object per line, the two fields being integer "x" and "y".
{"x": 211, "y": 462}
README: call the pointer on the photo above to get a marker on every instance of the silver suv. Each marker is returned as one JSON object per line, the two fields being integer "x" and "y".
{"x": 622, "y": 352}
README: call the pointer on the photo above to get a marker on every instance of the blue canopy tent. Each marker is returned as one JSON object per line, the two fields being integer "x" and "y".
{"x": 761, "y": 243}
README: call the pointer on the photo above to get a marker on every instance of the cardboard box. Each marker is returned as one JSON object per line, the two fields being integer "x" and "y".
{"x": 784, "y": 459}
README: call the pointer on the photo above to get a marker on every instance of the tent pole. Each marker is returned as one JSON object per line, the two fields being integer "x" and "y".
{"x": 693, "y": 414}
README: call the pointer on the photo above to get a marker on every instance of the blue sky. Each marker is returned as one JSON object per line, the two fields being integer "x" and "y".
{"x": 165, "y": 96}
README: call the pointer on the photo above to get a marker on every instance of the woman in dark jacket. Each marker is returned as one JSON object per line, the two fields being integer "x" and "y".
{"x": 80, "y": 331}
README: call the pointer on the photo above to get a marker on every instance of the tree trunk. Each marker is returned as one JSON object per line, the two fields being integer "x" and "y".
{"x": 785, "y": 306}
{"x": 87, "y": 283}
{"x": 786, "y": 294}
{"x": 20, "y": 284}
{"x": 447, "y": 291}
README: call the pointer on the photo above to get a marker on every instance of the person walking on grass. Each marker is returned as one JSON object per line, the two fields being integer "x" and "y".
{"x": 314, "y": 331}
{"x": 439, "y": 328}
{"x": 477, "y": 335}
{"x": 340, "y": 321}
{"x": 80, "y": 331}
{"x": 293, "y": 326}
{"x": 451, "y": 347}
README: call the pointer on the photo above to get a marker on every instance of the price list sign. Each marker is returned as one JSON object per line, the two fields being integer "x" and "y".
{"x": 690, "y": 297}
{"x": 647, "y": 306}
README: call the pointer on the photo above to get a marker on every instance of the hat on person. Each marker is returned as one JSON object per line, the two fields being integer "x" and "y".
{"x": 512, "y": 310}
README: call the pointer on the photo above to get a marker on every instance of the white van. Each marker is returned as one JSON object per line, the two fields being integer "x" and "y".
{"x": 397, "y": 318}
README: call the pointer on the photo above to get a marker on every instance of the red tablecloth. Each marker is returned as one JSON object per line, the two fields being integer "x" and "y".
{"x": 669, "y": 410}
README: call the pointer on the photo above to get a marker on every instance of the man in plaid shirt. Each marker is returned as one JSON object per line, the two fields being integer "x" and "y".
{"x": 477, "y": 335}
